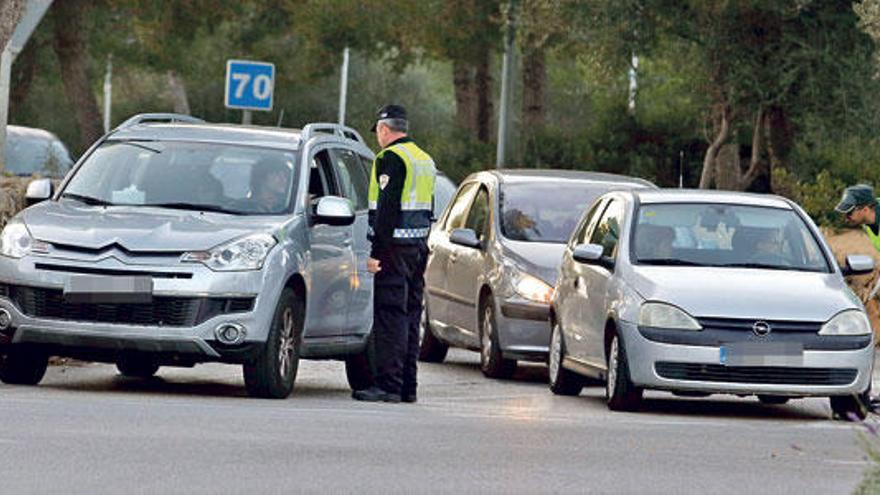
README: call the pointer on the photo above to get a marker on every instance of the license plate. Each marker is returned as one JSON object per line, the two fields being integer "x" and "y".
{"x": 762, "y": 354}
{"x": 108, "y": 290}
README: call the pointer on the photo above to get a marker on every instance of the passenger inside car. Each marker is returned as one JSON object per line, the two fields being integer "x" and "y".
{"x": 270, "y": 178}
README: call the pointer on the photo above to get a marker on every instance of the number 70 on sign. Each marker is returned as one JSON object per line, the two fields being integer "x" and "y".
{"x": 249, "y": 85}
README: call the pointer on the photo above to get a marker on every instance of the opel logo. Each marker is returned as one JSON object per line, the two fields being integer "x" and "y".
{"x": 761, "y": 328}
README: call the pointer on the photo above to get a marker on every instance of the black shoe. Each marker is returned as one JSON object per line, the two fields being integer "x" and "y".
{"x": 409, "y": 398}
{"x": 375, "y": 394}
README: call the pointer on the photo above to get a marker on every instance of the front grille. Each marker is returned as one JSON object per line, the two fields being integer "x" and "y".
{"x": 747, "y": 324}
{"x": 162, "y": 311}
{"x": 763, "y": 375}
{"x": 110, "y": 272}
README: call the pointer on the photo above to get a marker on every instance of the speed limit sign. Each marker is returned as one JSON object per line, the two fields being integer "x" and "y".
{"x": 249, "y": 85}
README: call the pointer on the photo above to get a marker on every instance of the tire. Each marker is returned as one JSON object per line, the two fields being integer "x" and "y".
{"x": 23, "y": 366}
{"x": 431, "y": 349}
{"x": 272, "y": 374}
{"x": 137, "y": 367}
{"x": 360, "y": 369}
{"x": 850, "y": 407}
{"x": 620, "y": 393}
{"x": 492, "y": 362}
{"x": 773, "y": 400}
{"x": 562, "y": 381}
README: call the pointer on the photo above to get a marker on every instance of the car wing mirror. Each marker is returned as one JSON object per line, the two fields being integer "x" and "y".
{"x": 858, "y": 264}
{"x": 592, "y": 254}
{"x": 39, "y": 190}
{"x": 466, "y": 238}
{"x": 334, "y": 210}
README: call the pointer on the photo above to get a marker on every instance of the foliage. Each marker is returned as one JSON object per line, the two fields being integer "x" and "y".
{"x": 817, "y": 198}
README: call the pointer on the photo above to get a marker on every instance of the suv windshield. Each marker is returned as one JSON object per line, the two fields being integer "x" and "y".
{"x": 211, "y": 177}
{"x": 544, "y": 212}
{"x": 725, "y": 236}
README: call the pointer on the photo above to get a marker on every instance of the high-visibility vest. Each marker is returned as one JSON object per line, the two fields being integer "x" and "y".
{"x": 417, "y": 197}
{"x": 875, "y": 239}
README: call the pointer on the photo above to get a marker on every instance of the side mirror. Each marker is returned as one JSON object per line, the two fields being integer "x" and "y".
{"x": 466, "y": 238}
{"x": 39, "y": 190}
{"x": 590, "y": 254}
{"x": 858, "y": 264}
{"x": 333, "y": 210}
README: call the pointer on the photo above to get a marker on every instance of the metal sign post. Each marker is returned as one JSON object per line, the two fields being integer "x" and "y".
{"x": 34, "y": 12}
{"x": 343, "y": 87}
{"x": 507, "y": 75}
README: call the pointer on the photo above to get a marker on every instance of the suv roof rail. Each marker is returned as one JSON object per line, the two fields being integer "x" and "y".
{"x": 143, "y": 118}
{"x": 310, "y": 130}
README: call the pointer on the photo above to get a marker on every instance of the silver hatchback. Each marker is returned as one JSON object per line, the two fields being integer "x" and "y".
{"x": 175, "y": 242}
{"x": 495, "y": 254}
{"x": 699, "y": 293}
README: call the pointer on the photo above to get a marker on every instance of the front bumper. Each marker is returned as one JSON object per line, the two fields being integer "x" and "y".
{"x": 191, "y": 339}
{"x": 675, "y": 367}
{"x": 524, "y": 329}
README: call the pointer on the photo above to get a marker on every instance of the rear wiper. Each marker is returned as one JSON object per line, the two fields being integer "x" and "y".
{"x": 669, "y": 262}
{"x": 89, "y": 200}
{"x": 195, "y": 207}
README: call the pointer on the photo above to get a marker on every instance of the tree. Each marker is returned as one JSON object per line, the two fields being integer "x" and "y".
{"x": 71, "y": 47}
{"x": 11, "y": 12}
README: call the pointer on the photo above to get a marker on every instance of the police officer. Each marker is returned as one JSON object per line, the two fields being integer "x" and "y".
{"x": 859, "y": 207}
{"x": 401, "y": 199}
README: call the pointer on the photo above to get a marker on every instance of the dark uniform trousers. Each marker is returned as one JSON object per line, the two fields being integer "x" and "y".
{"x": 397, "y": 311}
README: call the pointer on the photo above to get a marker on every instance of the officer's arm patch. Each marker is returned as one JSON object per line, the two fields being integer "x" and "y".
{"x": 383, "y": 181}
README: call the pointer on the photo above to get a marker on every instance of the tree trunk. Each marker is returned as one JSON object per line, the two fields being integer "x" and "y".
{"x": 721, "y": 136}
{"x": 465, "y": 97}
{"x": 483, "y": 86}
{"x": 779, "y": 137}
{"x": 11, "y": 12}
{"x": 534, "y": 76}
{"x": 72, "y": 50}
{"x": 756, "y": 164}
{"x": 23, "y": 72}
{"x": 178, "y": 93}
{"x": 727, "y": 168}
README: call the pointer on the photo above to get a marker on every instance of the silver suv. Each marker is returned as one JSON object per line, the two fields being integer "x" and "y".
{"x": 175, "y": 242}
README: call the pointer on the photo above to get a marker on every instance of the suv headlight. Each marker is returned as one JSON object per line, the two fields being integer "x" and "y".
{"x": 850, "y": 322}
{"x": 16, "y": 241}
{"x": 245, "y": 253}
{"x": 533, "y": 289}
{"x": 661, "y": 315}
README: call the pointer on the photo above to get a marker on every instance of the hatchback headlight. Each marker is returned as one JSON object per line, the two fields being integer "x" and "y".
{"x": 533, "y": 289}
{"x": 850, "y": 322}
{"x": 16, "y": 241}
{"x": 246, "y": 253}
{"x": 661, "y": 315}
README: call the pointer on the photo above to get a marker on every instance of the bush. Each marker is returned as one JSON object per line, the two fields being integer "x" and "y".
{"x": 817, "y": 198}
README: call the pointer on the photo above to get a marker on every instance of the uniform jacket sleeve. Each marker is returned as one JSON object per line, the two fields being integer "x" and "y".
{"x": 388, "y": 206}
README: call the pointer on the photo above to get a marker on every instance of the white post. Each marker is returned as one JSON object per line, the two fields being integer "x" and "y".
{"x": 246, "y": 117}
{"x": 34, "y": 12}
{"x": 633, "y": 83}
{"x": 343, "y": 87}
{"x": 507, "y": 70}
{"x": 108, "y": 93}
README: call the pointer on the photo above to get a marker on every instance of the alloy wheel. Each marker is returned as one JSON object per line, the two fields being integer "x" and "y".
{"x": 287, "y": 344}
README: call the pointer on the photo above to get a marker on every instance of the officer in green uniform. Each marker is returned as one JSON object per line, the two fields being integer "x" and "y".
{"x": 859, "y": 206}
{"x": 401, "y": 201}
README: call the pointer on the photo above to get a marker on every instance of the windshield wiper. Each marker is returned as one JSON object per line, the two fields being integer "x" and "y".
{"x": 195, "y": 207}
{"x": 141, "y": 146}
{"x": 762, "y": 266}
{"x": 669, "y": 262}
{"x": 89, "y": 200}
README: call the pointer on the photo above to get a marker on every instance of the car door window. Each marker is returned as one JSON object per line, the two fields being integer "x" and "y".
{"x": 580, "y": 237}
{"x": 352, "y": 177}
{"x": 321, "y": 181}
{"x": 458, "y": 211}
{"x": 478, "y": 217}
{"x": 607, "y": 231}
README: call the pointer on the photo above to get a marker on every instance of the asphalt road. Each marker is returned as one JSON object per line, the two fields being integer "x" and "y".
{"x": 87, "y": 430}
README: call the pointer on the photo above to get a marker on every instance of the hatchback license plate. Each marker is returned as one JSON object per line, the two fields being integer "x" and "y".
{"x": 108, "y": 290}
{"x": 763, "y": 354}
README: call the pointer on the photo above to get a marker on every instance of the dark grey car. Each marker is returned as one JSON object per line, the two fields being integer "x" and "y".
{"x": 494, "y": 258}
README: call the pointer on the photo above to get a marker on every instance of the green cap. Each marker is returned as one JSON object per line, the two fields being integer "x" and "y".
{"x": 856, "y": 197}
